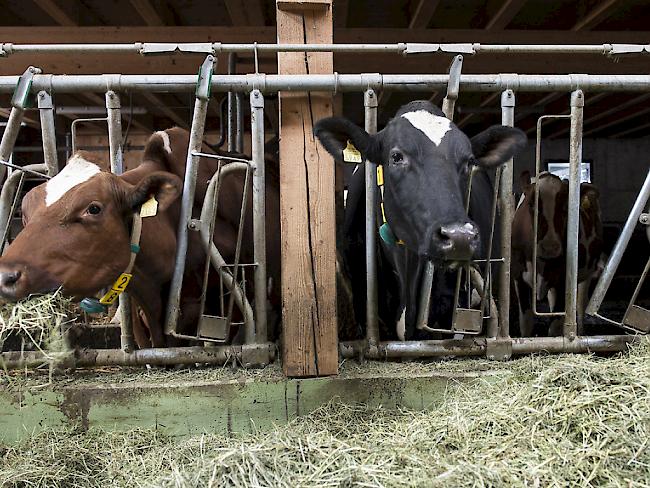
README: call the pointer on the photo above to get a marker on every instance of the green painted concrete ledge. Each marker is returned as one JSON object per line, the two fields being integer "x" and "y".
{"x": 190, "y": 408}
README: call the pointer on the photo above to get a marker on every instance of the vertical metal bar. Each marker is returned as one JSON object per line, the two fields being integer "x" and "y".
{"x": 239, "y": 127}
{"x": 189, "y": 189}
{"x": 232, "y": 109}
{"x": 48, "y": 133}
{"x": 68, "y": 145}
{"x": 425, "y": 295}
{"x": 506, "y": 209}
{"x": 114, "y": 119}
{"x": 453, "y": 87}
{"x": 258, "y": 335}
{"x": 9, "y": 137}
{"x": 573, "y": 220}
{"x": 621, "y": 244}
{"x": 370, "y": 103}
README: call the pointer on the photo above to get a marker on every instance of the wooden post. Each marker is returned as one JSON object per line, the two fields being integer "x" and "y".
{"x": 310, "y": 344}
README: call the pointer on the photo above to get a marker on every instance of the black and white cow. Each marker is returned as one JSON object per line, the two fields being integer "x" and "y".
{"x": 426, "y": 160}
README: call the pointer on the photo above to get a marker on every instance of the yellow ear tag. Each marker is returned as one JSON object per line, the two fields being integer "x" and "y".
{"x": 351, "y": 154}
{"x": 380, "y": 175}
{"x": 149, "y": 208}
{"x": 116, "y": 290}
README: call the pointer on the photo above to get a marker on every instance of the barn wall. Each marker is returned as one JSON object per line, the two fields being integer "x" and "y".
{"x": 619, "y": 167}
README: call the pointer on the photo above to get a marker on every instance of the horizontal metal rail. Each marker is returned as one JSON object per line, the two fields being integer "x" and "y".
{"x": 404, "y": 48}
{"x": 84, "y": 358}
{"x": 333, "y": 82}
{"x": 478, "y": 346}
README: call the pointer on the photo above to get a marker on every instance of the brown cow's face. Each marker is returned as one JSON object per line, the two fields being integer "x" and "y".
{"x": 77, "y": 230}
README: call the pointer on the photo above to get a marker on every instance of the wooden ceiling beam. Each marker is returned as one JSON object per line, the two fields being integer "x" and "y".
{"x": 588, "y": 101}
{"x": 245, "y": 12}
{"x": 341, "y": 11}
{"x": 423, "y": 14}
{"x": 4, "y": 112}
{"x": 486, "y": 101}
{"x": 148, "y": 13}
{"x": 57, "y": 14}
{"x": 508, "y": 10}
{"x": 618, "y": 121}
{"x": 168, "y": 112}
{"x": 603, "y": 10}
{"x": 634, "y": 129}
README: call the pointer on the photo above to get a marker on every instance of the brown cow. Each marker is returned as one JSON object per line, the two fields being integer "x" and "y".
{"x": 77, "y": 226}
{"x": 551, "y": 246}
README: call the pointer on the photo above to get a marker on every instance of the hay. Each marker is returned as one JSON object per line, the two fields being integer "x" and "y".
{"x": 37, "y": 321}
{"x": 539, "y": 421}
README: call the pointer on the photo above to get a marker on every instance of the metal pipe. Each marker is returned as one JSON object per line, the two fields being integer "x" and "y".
{"x": 259, "y": 334}
{"x": 370, "y": 104}
{"x": 9, "y": 137}
{"x": 339, "y": 82}
{"x": 615, "y": 257}
{"x": 478, "y": 346}
{"x": 397, "y": 48}
{"x": 573, "y": 218}
{"x": 239, "y": 123}
{"x": 506, "y": 209}
{"x": 232, "y": 114}
{"x": 48, "y": 133}
{"x": 189, "y": 189}
{"x": 82, "y": 358}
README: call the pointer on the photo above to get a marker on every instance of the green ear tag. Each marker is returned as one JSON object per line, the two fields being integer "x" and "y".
{"x": 386, "y": 234}
{"x": 92, "y": 305}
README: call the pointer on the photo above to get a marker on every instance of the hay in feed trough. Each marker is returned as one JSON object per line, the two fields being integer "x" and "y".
{"x": 38, "y": 321}
{"x": 541, "y": 421}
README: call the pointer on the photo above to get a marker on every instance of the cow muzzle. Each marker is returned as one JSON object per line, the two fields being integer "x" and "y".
{"x": 457, "y": 241}
{"x": 11, "y": 280}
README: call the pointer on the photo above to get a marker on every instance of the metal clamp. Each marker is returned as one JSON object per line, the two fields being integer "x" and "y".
{"x": 428, "y": 48}
{"x": 153, "y": 48}
{"x": 498, "y": 349}
{"x": 622, "y": 49}
{"x": 19, "y": 98}
{"x": 255, "y": 355}
{"x": 644, "y": 219}
{"x": 205, "y": 78}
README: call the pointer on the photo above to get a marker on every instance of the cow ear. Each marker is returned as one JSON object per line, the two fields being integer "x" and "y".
{"x": 334, "y": 133}
{"x": 497, "y": 145}
{"x": 589, "y": 195}
{"x": 163, "y": 186}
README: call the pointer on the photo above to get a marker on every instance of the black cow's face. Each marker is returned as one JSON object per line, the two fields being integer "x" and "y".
{"x": 426, "y": 161}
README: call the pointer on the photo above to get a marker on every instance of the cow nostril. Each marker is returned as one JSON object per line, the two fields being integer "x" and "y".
{"x": 9, "y": 278}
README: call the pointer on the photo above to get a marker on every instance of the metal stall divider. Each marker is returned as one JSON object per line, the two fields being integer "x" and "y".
{"x": 48, "y": 133}
{"x": 635, "y": 319}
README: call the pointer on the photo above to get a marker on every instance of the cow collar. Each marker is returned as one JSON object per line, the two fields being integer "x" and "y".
{"x": 385, "y": 232}
{"x": 92, "y": 304}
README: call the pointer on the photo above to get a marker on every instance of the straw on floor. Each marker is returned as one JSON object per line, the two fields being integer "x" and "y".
{"x": 542, "y": 421}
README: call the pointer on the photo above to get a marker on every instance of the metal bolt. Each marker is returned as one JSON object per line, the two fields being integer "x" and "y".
{"x": 491, "y": 357}
{"x": 644, "y": 218}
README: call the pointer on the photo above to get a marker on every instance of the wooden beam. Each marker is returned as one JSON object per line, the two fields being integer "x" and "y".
{"x": 246, "y": 12}
{"x": 588, "y": 102}
{"x": 4, "y": 112}
{"x": 307, "y": 210}
{"x": 148, "y": 13}
{"x": 486, "y": 101}
{"x": 505, "y": 14}
{"x": 599, "y": 13}
{"x": 423, "y": 14}
{"x": 618, "y": 121}
{"x": 51, "y": 8}
{"x": 168, "y": 112}
{"x": 634, "y": 129}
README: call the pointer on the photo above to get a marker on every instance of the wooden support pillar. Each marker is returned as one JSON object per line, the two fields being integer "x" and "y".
{"x": 306, "y": 200}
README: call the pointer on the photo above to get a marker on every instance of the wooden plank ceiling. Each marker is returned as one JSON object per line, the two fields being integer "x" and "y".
{"x": 491, "y": 21}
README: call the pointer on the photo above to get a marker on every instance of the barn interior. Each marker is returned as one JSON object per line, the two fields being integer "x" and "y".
{"x": 616, "y": 128}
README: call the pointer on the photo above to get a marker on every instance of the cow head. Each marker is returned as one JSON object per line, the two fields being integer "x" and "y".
{"x": 77, "y": 230}
{"x": 426, "y": 160}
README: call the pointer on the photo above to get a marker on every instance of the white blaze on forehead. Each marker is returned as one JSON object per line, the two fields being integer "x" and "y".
{"x": 77, "y": 171}
{"x": 165, "y": 138}
{"x": 433, "y": 126}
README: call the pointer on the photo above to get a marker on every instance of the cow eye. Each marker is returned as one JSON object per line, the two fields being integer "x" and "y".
{"x": 396, "y": 157}
{"x": 94, "y": 209}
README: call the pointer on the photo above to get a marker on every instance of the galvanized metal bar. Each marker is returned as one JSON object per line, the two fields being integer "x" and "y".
{"x": 239, "y": 123}
{"x": 170, "y": 48}
{"x": 370, "y": 103}
{"x": 449, "y": 102}
{"x": 48, "y": 133}
{"x": 616, "y": 255}
{"x": 232, "y": 109}
{"x": 259, "y": 218}
{"x": 169, "y": 356}
{"x": 189, "y": 189}
{"x": 573, "y": 218}
{"x": 339, "y": 82}
{"x": 506, "y": 210}
{"x": 9, "y": 138}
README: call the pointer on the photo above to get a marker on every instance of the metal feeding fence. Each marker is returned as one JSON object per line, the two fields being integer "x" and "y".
{"x": 495, "y": 342}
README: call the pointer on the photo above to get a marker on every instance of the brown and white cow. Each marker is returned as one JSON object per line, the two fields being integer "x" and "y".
{"x": 77, "y": 227}
{"x": 551, "y": 246}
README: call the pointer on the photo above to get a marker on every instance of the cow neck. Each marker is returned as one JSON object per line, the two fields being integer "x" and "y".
{"x": 92, "y": 304}
{"x": 385, "y": 232}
